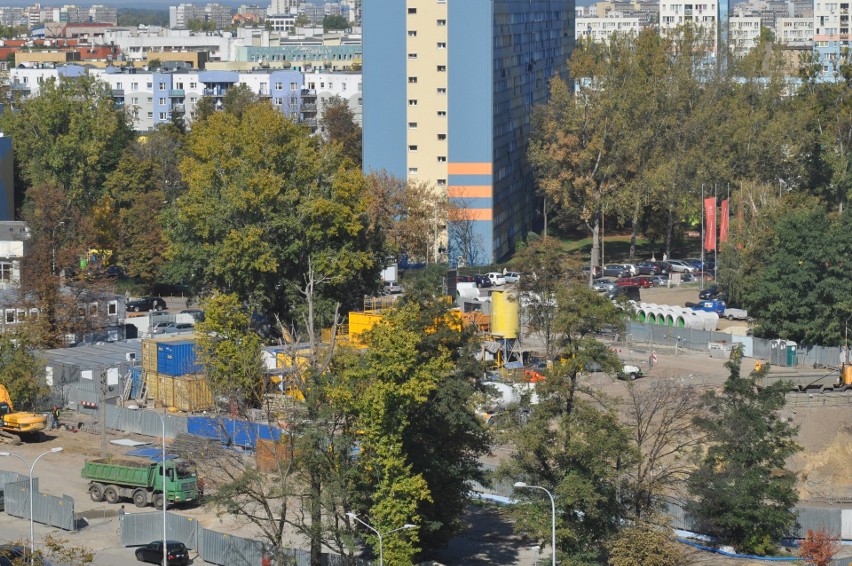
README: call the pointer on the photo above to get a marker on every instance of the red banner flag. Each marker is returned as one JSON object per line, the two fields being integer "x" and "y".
{"x": 710, "y": 223}
{"x": 723, "y": 222}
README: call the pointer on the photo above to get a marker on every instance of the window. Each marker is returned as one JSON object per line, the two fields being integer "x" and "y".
{"x": 442, "y": 182}
{"x": 134, "y": 100}
{"x": 93, "y": 310}
{"x": 442, "y": 113}
{"x": 279, "y": 86}
{"x": 412, "y": 10}
{"x": 150, "y": 114}
{"x": 150, "y": 100}
{"x": 412, "y": 102}
{"x": 294, "y": 86}
{"x": 148, "y": 85}
{"x": 164, "y": 116}
{"x": 412, "y": 56}
{"x": 118, "y": 86}
{"x": 11, "y": 316}
{"x": 442, "y": 68}
{"x": 112, "y": 308}
{"x": 179, "y": 86}
{"x": 359, "y": 101}
{"x": 412, "y": 170}
{"x": 312, "y": 86}
{"x": 442, "y": 159}
{"x": 163, "y": 101}
{"x": 412, "y": 148}
{"x": 322, "y": 85}
{"x": 192, "y": 99}
{"x": 412, "y": 33}
{"x": 442, "y": 137}
{"x": 442, "y": 45}
{"x": 278, "y": 101}
{"x": 412, "y": 125}
{"x": 442, "y": 23}
{"x": 193, "y": 85}
{"x": 5, "y": 271}
{"x": 343, "y": 87}
{"x": 412, "y": 80}
{"x": 162, "y": 86}
{"x": 442, "y": 91}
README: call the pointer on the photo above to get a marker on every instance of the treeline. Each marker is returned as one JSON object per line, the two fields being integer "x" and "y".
{"x": 134, "y": 17}
{"x": 655, "y": 123}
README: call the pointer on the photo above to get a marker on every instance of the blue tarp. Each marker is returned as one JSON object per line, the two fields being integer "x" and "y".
{"x": 232, "y": 432}
{"x": 735, "y": 555}
{"x": 155, "y": 454}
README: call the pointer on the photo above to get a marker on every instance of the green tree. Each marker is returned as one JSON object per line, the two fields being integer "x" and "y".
{"x": 339, "y": 127}
{"x": 205, "y": 108}
{"x": 334, "y": 23}
{"x": 742, "y": 493}
{"x": 22, "y": 371}
{"x": 238, "y": 98}
{"x": 264, "y": 201}
{"x": 201, "y": 25}
{"x": 573, "y": 443}
{"x": 154, "y": 64}
{"x": 645, "y": 545}
{"x": 795, "y": 283}
{"x": 71, "y": 134}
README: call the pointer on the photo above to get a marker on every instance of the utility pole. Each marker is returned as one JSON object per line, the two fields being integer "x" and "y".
{"x": 102, "y": 408}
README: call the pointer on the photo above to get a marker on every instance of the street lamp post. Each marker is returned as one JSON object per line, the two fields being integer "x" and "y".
{"x": 165, "y": 491}
{"x": 32, "y": 467}
{"x": 522, "y": 485}
{"x": 378, "y": 534}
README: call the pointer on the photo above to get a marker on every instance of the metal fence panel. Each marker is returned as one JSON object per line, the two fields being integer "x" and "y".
{"x": 10, "y": 477}
{"x": 138, "y": 529}
{"x": 841, "y": 562}
{"x": 145, "y": 422}
{"x": 47, "y": 509}
{"x": 846, "y": 524}
{"x": 227, "y": 550}
{"x": 813, "y": 518}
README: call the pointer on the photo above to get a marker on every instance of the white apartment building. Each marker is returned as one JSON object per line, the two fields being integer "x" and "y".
{"x": 744, "y": 34}
{"x": 601, "y": 29}
{"x": 794, "y": 31}
{"x": 831, "y": 33}
{"x": 343, "y": 85}
{"x": 704, "y": 14}
{"x": 136, "y": 43}
{"x": 14, "y": 247}
{"x": 283, "y": 8}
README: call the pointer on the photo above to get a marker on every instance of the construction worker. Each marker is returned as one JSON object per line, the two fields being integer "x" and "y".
{"x": 55, "y": 422}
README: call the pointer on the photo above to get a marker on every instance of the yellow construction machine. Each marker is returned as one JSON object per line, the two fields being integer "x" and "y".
{"x": 27, "y": 426}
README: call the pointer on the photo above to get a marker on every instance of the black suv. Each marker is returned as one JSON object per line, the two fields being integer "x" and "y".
{"x": 176, "y": 553}
{"x": 146, "y": 304}
{"x": 481, "y": 280}
{"x": 713, "y": 292}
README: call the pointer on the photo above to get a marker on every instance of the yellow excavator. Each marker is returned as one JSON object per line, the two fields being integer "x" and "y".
{"x": 24, "y": 426}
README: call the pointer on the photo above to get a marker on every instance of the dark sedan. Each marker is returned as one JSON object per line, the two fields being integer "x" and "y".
{"x": 713, "y": 292}
{"x": 616, "y": 271}
{"x": 481, "y": 280}
{"x": 146, "y": 304}
{"x": 176, "y": 553}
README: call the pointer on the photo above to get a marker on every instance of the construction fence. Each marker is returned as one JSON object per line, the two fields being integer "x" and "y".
{"x": 217, "y": 548}
{"x": 47, "y": 509}
{"x": 667, "y": 339}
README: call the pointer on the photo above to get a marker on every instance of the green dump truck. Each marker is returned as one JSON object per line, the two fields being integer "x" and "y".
{"x": 141, "y": 481}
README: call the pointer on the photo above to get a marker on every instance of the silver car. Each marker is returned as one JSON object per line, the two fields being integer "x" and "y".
{"x": 603, "y": 285}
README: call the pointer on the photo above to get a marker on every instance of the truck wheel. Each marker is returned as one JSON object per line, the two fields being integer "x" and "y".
{"x": 140, "y": 498}
{"x": 111, "y": 495}
{"x": 96, "y": 492}
{"x": 632, "y": 376}
{"x": 158, "y": 501}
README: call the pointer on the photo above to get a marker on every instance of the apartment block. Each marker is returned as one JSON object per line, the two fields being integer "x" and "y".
{"x": 711, "y": 16}
{"x": 794, "y": 31}
{"x": 449, "y": 89}
{"x": 831, "y": 34}
{"x": 601, "y": 29}
{"x": 744, "y": 34}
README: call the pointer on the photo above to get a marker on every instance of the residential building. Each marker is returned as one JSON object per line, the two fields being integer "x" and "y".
{"x": 794, "y": 31}
{"x": 283, "y": 8}
{"x": 143, "y": 44}
{"x": 181, "y": 15}
{"x": 744, "y": 34}
{"x": 14, "y": 247}
{"x": 449, "y": 103}
{"x": 831, "y": 34}
{"x": 601, "y": 29}
{"x": 711, "y": 16}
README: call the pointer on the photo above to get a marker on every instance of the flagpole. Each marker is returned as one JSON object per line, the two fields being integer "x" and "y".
{"x": 703, "y": 267}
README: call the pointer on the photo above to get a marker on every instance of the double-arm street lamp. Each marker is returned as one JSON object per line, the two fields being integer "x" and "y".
{"x": 378, "y": 534}
{"x": 32, "y": 467}
{"x": 522, "y": 485}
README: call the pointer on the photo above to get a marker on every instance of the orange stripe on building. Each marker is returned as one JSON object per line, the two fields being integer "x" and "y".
{"x": 470, "y": 191}
{"x": 469, "y": 168}
{"x": 473, "y": 214}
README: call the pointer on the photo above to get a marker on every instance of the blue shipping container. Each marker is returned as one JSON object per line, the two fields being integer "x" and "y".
{"x": 177, "y": 358}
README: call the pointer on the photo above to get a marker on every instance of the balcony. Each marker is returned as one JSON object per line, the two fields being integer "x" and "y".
{"x": 21, "y": 87}
{"x": 312, "y": 122}
{"x": 176, "y": 93}
{"x": 117, "y": 92}
{"x": 178, "y": 108}
{"x": 312, "y": 107}
{"x": 307, "y": 93}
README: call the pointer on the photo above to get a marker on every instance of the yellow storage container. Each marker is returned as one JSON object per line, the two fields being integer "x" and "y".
{"x": 361, "y": 322}
{"x": 505, "y": 315}
{"x": 189, "y": 393}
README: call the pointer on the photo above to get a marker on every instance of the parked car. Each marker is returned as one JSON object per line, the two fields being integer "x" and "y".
{"x": 496, "y": 278}
{"x": 184, "y": 326}
{"x": 648, "y": 268}
{"x": 640, "y": 281}
{"x": 163, "y": 328}
{"x": 629, "y": 292}
{"x": 512, "y": 277}
{"x": 391, "y": 288}
{"x": 464, "y": 279}
{"x": 176, "y": 553}
{"x": 481, "y": 280}
{"x": 616, "y": 271}
{"x": 660, "y": 281}
{"x": 633, "y": 269}
{"x": 679, "y": 266}
{"x": 115, "y": 272}
{"x": 146, "y": 304}
{"x": 713, "y": 292}
{"x": 602, "y": 285}
{"x": 695, "y": 262}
